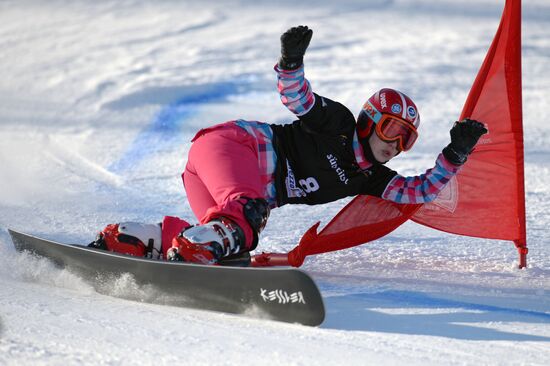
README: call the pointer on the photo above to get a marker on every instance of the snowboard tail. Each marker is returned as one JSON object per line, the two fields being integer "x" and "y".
{"x": 282, "y": 294}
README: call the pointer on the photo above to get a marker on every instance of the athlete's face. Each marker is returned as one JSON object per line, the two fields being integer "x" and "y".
{"x": 382, "y": 151}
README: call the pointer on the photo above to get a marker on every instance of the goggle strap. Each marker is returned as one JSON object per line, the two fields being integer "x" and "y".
{"x": 371, "y": 112}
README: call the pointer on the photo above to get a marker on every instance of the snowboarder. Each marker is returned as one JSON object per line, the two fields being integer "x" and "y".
{"x": 239, "y": 170}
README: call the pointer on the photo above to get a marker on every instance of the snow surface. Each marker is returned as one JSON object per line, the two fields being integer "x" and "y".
{"x": 98, "y": 102}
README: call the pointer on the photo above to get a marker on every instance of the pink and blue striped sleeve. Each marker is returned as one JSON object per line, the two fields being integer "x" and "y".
{"x": 295, "y": 90}
{"x": 423, "y": 188}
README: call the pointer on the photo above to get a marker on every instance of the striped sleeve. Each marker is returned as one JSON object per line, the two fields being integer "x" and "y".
{"x": 295, "y": 90}
{"x": 423, "y": 188}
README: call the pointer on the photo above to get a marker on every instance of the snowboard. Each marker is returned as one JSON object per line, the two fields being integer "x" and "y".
{"x": 282, "y": 294}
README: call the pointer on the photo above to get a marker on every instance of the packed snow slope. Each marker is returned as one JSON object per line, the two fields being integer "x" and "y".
{"x": 98, "y": 102}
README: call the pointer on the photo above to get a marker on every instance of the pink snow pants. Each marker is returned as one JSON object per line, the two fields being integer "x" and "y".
{"x": 222, "y": 168}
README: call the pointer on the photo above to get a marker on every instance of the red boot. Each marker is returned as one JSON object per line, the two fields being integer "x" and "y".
{"x": 133, "y": 238}
{"x": 208, "y": 243}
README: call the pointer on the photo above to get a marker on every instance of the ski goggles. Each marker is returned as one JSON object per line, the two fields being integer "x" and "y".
{"x": 390, "y": 128}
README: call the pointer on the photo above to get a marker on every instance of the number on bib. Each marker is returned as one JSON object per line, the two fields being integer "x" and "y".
{"x": 309, "y": 184}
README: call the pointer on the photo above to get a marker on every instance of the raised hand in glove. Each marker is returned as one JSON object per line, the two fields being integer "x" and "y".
{"x": 464, "y": 136}
{"x": 294, "y": 43}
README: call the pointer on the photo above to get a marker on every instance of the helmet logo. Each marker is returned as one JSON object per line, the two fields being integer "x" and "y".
{"x": 411, "y": 112}
{"x": 383, "y": 103}
{"x": 396, "y": 108}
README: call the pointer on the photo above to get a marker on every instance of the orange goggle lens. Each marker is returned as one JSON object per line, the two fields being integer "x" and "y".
{"x": 390, "y": 129}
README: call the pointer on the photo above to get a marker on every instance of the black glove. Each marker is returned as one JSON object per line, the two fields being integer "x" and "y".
{"x": 464, "y": 136}
{"x": 294, "y": 43}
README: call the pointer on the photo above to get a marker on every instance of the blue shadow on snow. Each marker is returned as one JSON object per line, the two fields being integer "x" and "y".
{"x": 164, "y": 130}
{"x": 377, "y": 312}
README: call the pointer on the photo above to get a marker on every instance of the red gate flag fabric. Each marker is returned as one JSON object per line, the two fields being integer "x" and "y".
{"x": 364, "y": 219}
{"x": 486, "y": 199}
